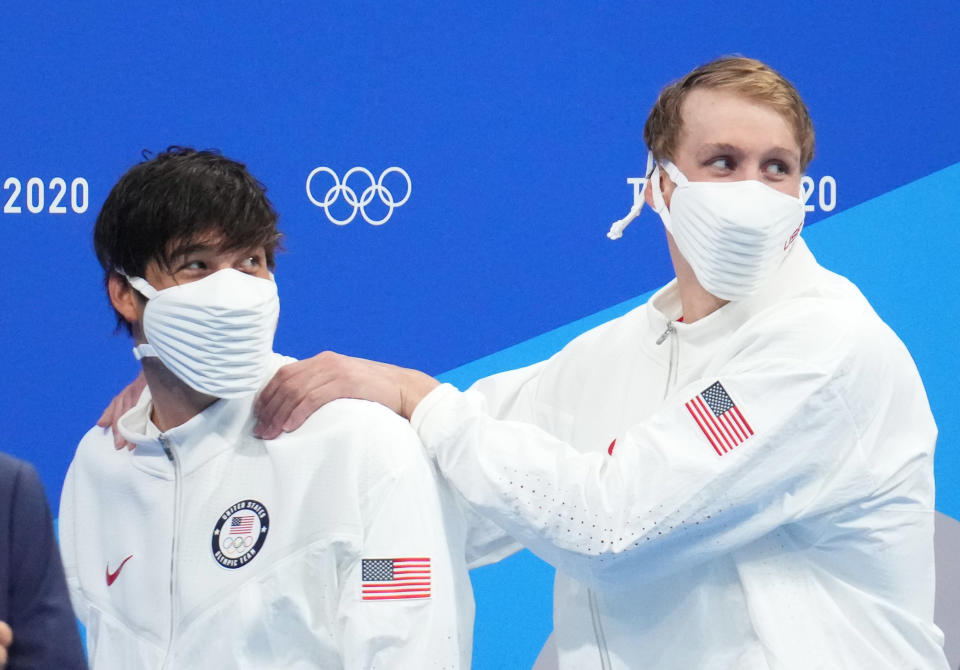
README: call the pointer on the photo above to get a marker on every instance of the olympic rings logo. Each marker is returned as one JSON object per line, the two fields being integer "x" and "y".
{"x": 237, "y": 542}
{"x": 359, "y": 204}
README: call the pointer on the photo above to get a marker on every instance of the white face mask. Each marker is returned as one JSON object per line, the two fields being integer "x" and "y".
{"x": 215, "y": 334}
{"x": 734, "y": 234}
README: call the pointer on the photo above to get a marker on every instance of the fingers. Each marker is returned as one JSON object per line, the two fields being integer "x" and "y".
{"x": 284, "y": 392}
{"x": 104, "y": 420}
{"x": 270, "y": 426}
{"x": 302, "y": 411}
{"x": 268, "y": 399}
{"x": 6, "y": 639}
{"x": 109, "y": 414}
{"x": 300, "y": 386}
{"x": 122, "y": 402}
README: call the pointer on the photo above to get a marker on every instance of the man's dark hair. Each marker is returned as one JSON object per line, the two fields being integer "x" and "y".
{"x": 177, "y": 196}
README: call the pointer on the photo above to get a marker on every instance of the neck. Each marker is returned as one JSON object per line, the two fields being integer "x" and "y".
{"x": 697, "y": 302}
{"x": 174, "y": 403}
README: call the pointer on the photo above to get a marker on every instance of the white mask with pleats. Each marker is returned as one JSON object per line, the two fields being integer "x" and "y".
{"x": 734, "y": 234}
{"x": 215, "y": 334}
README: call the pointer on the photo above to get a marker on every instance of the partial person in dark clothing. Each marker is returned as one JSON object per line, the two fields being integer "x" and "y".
{"x": 33, "y": 598}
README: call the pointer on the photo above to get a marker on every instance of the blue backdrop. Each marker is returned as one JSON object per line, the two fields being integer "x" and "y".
{"x": 518, "y": 125}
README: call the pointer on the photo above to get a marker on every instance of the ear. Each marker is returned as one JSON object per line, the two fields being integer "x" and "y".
{"x": 666, "y": 188}
{"x": 124, "y": 298}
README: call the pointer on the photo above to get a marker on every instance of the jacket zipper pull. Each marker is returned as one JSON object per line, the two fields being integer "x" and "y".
{"x": 166, "y": 448}
{"x": 666, "y": 333}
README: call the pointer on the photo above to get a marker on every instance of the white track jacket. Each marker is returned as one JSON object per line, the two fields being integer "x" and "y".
{"x": 750, "y": 491}
{"x": 334, "y": 546}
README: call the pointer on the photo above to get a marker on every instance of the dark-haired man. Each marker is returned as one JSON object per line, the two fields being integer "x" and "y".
{"x": 332, "y": 547}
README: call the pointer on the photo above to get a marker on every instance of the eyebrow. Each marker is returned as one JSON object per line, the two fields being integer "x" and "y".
{"x": 187, "y": 248}
{"x": 706, "y": 150}
{"x": 713, "y": 147}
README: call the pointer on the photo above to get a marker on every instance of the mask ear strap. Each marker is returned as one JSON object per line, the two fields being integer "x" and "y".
{"x": 658, "y": 203}
{"x": 674, "y": 173}
{"x": 144, "y": 350}
{"x": 139, "y": 284}
{"x": 617, "y": 227}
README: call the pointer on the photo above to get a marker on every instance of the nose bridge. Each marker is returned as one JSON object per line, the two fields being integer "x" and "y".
{"x": 754, "y": 168}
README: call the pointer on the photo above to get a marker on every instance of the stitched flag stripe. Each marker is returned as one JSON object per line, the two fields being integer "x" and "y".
{"x": 719, "y": 418}
{"x": 395, "y": 578}
{"x": 241, "y": 525}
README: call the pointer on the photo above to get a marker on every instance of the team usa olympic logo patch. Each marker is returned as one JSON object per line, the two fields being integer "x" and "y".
{"x": 240, "y": 533}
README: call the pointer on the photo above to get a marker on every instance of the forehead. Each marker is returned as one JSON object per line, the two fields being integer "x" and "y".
{"x": 717, "y": 116}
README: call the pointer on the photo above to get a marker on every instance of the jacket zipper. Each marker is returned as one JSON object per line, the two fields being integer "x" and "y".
{"x": 174, "y": 609}
{"x": 672, "y": 367}
{"x": 598, "y": 631}
{"x": 674, "y": 362}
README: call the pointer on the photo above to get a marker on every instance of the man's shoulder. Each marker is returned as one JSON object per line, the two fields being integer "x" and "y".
{"x": 367, "y": 430}
{"x": 10, "y": 469}
{"x": 832, "y": 331}
{"x": 19, "y": 483}
{"x": 821, "y": 322}
{"x": 97, "y": 456}
{"x": 602, "y": 342}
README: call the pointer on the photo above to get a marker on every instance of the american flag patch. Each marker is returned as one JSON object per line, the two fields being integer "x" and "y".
{"x": 395, "y": 578}
{"x": 241, "y": 525}
{"x": 719, "y": 418}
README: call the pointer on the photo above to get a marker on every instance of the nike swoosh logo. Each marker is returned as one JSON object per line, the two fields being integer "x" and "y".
{"x": 112, "y": 576}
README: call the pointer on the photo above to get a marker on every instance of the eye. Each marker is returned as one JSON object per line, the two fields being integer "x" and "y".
{"x": 776, "y": 169}
{"x": 251, "y": 263}
{"x": 721, "y": 163}
{"x": 192, "y": 265}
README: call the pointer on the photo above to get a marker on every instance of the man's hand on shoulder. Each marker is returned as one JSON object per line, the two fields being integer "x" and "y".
{"x": 299, "y": 389}
{"x": 123, "y": 401}
{"x": 6, "y": 639}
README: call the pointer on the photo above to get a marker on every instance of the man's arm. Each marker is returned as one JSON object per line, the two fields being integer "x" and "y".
{"x": 301, "y": 388}
{"x": 407, "y": 602}
{"x": 40, "y": 612}
{"x": 673, "y": 493}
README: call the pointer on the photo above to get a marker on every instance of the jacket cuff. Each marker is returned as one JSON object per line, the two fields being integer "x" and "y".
{"x": 435, "y": 417}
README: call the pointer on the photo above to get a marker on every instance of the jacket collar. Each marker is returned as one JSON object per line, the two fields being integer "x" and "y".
{"x": 220, "y": 426}
{"x": 795, "y": 275}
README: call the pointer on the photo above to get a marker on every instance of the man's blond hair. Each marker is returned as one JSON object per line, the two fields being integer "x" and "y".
{"x": 744, "y": 76}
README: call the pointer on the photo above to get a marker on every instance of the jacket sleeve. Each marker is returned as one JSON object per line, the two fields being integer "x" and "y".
{"x": 508, "y": 395}
{"x": 406, "y": 601}
{"x": 44, "y": 628}
{"x": 677, "y": 488}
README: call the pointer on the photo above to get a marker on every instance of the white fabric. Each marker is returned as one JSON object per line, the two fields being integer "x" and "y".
{"x": 352, "y": 483}
{"x": 734, "y": 234}
{"x": 215, "y": 334}
{"x": 808, "y": 545}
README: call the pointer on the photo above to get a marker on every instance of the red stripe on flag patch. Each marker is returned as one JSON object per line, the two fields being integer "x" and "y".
{"x": 697, "y": 419}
